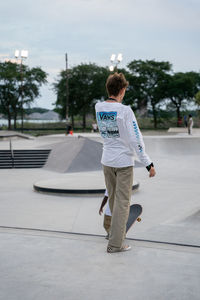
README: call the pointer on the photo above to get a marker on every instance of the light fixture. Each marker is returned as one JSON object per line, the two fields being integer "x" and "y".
{"x": 119, "y": 57}
{"x": 24, "y": 53}
{"x": 112, "y": 58}
{"x": 115, "y": 60}
{"x": 16, "y": 53}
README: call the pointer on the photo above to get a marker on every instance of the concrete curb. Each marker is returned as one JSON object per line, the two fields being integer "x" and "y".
{"x": 61, "y": 191}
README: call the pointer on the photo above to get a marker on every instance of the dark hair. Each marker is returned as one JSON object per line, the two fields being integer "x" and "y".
{"x": 190, "y": 116}
{"x": 115, "y": 83}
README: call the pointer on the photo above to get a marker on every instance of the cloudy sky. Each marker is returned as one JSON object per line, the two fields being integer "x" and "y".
{"x": 91, "y": 30}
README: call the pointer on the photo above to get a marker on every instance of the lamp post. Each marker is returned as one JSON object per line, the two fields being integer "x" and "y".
{"x": 68, "y": 125}
{"x": 21, "y": 55}
{"x": 115, "y": 60}
{"x": 67, "y": 90}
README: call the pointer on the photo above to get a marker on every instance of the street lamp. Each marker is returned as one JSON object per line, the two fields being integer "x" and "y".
{"x": 115, "y": 60}
{"x": 69, "y": 129}
{"x": 67, "y": 89}
{"x": 21, "y": 56}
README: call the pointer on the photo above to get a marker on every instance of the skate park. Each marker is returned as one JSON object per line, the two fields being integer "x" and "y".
{"x": 53, "y": 243}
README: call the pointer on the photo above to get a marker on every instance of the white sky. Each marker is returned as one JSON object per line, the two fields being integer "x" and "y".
{"x": 91, "y": 30}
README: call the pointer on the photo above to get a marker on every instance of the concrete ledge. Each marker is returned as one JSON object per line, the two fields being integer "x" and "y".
{"x": 82, "y": 183}
{"x": 195, "y": 131}
{"x": 7, "y": 134}
{"x": 74, "y": 192}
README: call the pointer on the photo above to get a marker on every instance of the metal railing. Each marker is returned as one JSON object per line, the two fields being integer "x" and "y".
{"x": 12, "y": 154}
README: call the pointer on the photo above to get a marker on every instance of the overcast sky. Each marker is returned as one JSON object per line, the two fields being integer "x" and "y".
{"x": 91, "y": 30}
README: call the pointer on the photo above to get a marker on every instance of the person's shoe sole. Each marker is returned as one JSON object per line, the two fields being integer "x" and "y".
{"x": 115, "y": 250}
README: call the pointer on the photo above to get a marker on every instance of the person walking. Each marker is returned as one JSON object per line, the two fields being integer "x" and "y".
{"x": 190, "y": 124}
{"x": 121, "y": 136}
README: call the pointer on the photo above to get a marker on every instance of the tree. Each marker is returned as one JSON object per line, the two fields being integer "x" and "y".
{"x": 86, "y": 85}
{"x": 147, "y": 83}
{"x": 60, "y": 90}
{"x": 17, "y": 82}
{"x": 181, "y": 88}
{"x": 197, "y": 98}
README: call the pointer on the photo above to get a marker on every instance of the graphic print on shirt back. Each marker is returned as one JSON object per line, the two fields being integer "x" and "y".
{"x": 107, "y": 123}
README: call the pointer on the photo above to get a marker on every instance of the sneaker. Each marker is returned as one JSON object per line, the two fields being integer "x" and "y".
{"x": 122, "y": 249}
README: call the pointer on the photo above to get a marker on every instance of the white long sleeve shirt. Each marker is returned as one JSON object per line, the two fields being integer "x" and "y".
{"x": 121, "y": 135}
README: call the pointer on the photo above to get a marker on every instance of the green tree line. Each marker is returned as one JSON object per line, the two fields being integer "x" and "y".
{"x": 152, "y": 84}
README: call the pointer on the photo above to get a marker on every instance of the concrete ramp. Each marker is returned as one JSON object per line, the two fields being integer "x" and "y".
{"x": 75, "y": 155}
{"x": 192, "y": 221}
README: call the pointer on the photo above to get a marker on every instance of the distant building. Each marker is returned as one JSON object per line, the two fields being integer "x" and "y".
{"x": 49, "y": 115}
{"x": 35, "y": 116}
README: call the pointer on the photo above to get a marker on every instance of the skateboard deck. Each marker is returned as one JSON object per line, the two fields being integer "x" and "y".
{"x": 134, "y": 214}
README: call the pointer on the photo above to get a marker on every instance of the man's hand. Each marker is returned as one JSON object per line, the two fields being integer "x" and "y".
{"x": 152, "y": 172}
{"x": 105, "y": 199}
{"x": 100, "y": 211}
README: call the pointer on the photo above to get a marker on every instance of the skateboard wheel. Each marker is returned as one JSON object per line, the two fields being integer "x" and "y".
{"x": 139, "y": 219}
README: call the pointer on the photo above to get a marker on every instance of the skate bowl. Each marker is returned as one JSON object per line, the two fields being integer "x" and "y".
{"x": 172, "y": 145}
{"x": 79, "y": 160}
{"x": 80, "y": 154}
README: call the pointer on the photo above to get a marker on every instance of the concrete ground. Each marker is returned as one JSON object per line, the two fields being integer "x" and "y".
{"x": 60, "y": 266}
{"x": 43, "y": 257}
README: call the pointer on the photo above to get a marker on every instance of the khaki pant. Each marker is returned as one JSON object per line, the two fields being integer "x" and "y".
{"x": 119, "y": 186}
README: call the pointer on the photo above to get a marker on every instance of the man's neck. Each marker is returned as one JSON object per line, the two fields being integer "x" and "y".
{"x": 114, "y": 99}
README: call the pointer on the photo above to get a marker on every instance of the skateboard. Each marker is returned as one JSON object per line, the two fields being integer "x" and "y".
{"x": 134, "y": 214}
